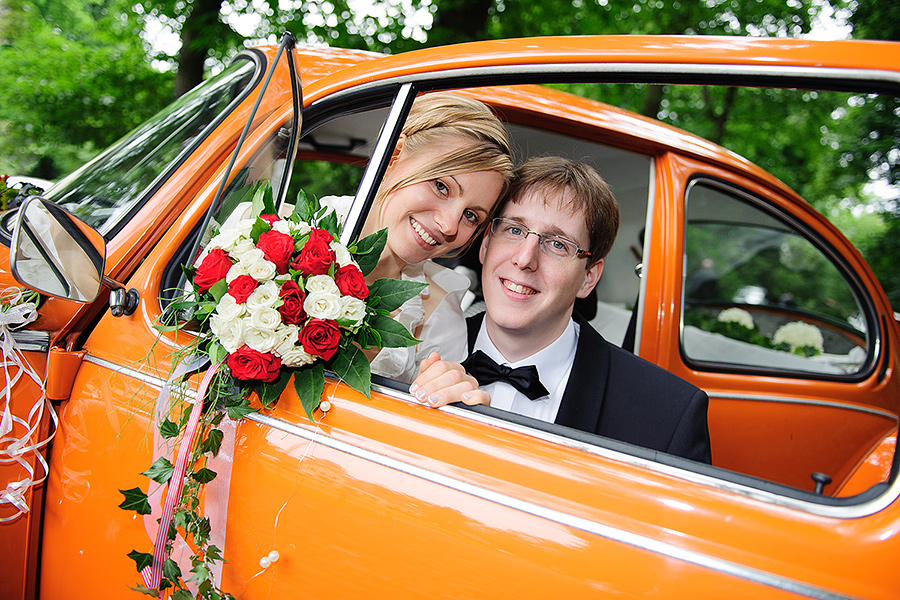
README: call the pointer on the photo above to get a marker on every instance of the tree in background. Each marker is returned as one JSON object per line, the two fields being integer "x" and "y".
{"x": 74, "y": 77}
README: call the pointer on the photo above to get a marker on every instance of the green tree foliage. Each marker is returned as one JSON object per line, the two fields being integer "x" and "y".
{"x": 73, "y": 78}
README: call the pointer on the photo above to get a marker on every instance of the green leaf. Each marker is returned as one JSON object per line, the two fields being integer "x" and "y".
{"x": 136, "y": 500}
{"x": 352, "y": 366}
{"x": 171, "y": 570}
{"x": 213, "y": 554}
{"x": 168, "y": 429}
{"x": 160, "y": 471}
{"x": 368, "y": 250}
{"x": 142, "y": 560}
{"x": 203, "y": 475}
{"x": 310, "y": 383}
{"x": 219, "y": 289}
{"x": 239, "y": 411}
{"x": 213, "y": 442}
{"x": 260, "y": 226}
{"x": 269, "y": 393}
{"x": 200, "y": 573}
{"x": 393, "y": 334}
{"x": 305, "y": 207}
{"x": 392, "y": 293}
{"x": 182, "y": 594}
{"x": 263, "y": 199}
{"x": 329, "y": 223}
{"x": 145, "y": 591}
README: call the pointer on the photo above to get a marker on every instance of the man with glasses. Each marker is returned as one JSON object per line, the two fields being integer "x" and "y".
{"x": 531, "y": 355}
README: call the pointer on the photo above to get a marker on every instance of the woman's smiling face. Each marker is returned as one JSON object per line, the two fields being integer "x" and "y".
{"x": 434, "y": 217}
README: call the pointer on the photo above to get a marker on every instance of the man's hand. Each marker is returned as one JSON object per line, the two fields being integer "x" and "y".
{"x": 442, "y": 382}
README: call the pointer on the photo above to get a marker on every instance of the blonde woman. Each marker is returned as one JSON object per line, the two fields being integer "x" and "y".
{"x": 451, "y": 164}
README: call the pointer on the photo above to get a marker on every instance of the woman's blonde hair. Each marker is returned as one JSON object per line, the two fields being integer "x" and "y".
{"x": 441, "y": 116}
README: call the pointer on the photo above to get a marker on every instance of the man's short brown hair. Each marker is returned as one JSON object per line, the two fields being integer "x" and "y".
{"x": 588, "y": 192}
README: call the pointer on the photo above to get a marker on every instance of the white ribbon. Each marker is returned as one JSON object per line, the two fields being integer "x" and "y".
{"x": 19, "y": 311}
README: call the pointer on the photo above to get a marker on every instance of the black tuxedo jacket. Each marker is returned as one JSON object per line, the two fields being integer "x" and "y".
{"x": 613, "y": 393}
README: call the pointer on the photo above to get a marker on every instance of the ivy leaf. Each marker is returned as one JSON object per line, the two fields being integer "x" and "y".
{"x": 352, "y": 366}
{"x": 136, "y": 500}
{"x": 142, "y": 560}
{"x": 168, "y": 429}
{"x": 239, "y": 410}
{"x": 213, "y": 442}
{"x": 203, "y": 475}
{"x": 392, "y": 293}
{"x": 200, "y": 572}
{"x": 182, "y": 594}
{"x": 171, "y": 570}
{"x": 368, "y": 250}
{"x": 145, "y": 591}
{"x": 213, "y": 554}
{"x": 269, "y": 393}
{"x": 160, "y": 471}
{"x": 393, "y": 333}
{"x": 309, "y": 384}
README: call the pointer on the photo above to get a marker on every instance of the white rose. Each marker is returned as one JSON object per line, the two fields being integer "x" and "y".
{"x": 323, "y": 305}
{"x": 261, "y": 339}
{"x": 352, "y": 310}
{"x": 265, "y": 318}
{"x": 264, "y": 296}
{"x": 249, "y": 257}
{"x": 228, "y": 331}
{"x": 234, "y": 272}
{"x": 242, "y": 247}
{"x": 321, "y": 283}
{"x": 225, "y": 239}
{"x": 341, "y": 254}
{"x": 229, "y": 309}
{"x": 262, "y": 270}
{"x": 290, "y": 228}
{"x": 288, "y": 348}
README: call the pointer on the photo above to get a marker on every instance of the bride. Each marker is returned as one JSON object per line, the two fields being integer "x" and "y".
{"x": 451, "y": 164}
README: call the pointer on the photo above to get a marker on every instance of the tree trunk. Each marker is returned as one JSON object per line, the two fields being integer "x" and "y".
{"x": 196, "y": 34}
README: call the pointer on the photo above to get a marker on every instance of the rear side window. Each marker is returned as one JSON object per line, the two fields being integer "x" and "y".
{"x": 757, "y": 293}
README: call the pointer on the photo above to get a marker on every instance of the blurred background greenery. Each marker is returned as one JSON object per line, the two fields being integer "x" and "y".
{"x": 75, "y": 75}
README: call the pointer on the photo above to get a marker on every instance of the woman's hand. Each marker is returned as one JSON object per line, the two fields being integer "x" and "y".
{"x": 441, "y": 382}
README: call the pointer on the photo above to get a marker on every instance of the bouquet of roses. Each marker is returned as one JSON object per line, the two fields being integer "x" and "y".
{"x": 272, "y": 299}
{"x": 281, "y": 297}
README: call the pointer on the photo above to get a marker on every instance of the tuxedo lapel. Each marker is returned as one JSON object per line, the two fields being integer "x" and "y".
{"x": 588, "y": 381}
{"x": 473, "y": 326}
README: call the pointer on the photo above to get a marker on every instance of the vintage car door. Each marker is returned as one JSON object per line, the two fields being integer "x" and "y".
{"x": 383, "y": 496}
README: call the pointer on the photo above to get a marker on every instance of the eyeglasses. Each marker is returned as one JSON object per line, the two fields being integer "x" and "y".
{"x": 552, "y": 245}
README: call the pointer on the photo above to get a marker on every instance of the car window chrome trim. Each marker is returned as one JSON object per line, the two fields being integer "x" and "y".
{"x": 607, "y": 532}
{"x": 806, "y": 401}
{"x": 674, "y": 73}
{"x": 854, "y": 511}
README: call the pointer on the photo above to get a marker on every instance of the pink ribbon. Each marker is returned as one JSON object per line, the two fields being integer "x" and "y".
{"x": 153, "y": 573}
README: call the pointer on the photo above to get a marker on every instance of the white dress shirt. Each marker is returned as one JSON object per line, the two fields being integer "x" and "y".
{"x": 554, "y": 363}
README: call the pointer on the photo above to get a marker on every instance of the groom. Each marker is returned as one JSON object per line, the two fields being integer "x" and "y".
{"x": 531, "y": 355}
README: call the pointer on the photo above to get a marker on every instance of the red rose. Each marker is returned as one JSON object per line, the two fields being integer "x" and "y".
{"x": 350, "y": 282}
{"x": 212, "y": 270}
{"x": 277, "y": 247}
{"x": 292, "y": 298}
{"x": 246, "y": 363}
{"x": 270, "y": 219}
{"x": 316, "y": 256}
{"x": 241, "y": 288}
{"x": 320, "y": 337}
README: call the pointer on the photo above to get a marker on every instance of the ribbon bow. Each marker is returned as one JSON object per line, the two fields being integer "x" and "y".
{"x": 525, "y": 379}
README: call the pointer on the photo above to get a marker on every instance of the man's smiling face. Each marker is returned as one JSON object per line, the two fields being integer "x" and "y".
{"x": 528, "y": 292}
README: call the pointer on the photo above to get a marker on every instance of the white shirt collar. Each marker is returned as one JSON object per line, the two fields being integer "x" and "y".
{"x": 554, "y": 363}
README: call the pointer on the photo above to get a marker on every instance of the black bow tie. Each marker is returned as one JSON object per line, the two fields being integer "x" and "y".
{"x": 485, "y": 370}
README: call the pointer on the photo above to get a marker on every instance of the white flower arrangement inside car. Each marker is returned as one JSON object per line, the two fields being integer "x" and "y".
{"x": 799, "y": 338}
{"x": 737, "y": 315}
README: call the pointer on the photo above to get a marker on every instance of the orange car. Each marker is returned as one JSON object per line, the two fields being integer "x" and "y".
{"x": 382, "y": 497}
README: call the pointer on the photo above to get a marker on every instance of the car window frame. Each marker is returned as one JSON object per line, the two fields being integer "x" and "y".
{"x": 876, "y": 333}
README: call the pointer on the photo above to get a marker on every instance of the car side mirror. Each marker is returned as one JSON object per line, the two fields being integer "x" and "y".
{"x": 55, "y": 253}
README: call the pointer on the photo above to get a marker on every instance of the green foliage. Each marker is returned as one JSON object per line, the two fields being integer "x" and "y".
{"x": 73, "y": 78}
